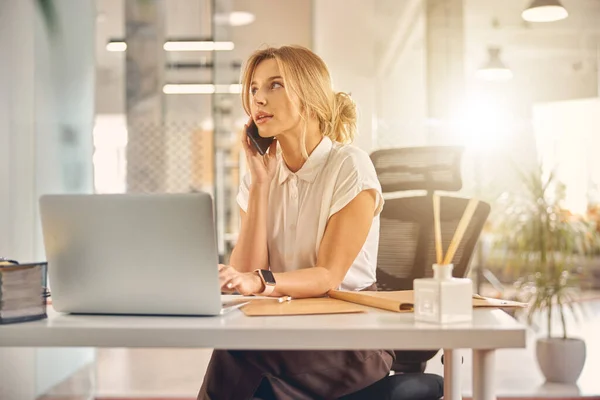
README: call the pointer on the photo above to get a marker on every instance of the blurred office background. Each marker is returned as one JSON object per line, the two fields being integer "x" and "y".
{"x": 142, "y": 96}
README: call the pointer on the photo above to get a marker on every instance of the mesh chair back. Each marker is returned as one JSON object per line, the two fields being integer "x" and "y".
{"x": 419, "y": 168}
{"x": 406, "y": 239}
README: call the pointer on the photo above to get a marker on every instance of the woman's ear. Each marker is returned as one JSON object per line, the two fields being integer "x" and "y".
{"x": 300, "y": 109}
{"x": 306, "y": 112}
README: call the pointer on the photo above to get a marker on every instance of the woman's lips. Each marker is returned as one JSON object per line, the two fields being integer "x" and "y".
{"x": 263, "y": 119}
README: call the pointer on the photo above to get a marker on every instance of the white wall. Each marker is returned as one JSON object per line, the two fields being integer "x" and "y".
{"x": 347, "y": 44}
{"x": 5, "y": 127}
{"x": 17, "y": 127}
{"x": 17, "y": 365}
{"x": 44, "y": 87}
{"x": 568, "y": 138}
{"x": 45, "y": 93}
{"x": 64, "y": 159}
{"x": 17, "y": 372}
{"x": 54, "y": 365}
{"x": 402, "y": 102}
{"x": 402, "y": 81}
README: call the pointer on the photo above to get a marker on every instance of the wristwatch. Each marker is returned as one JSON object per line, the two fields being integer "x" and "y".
{"x": 268, "y": 280}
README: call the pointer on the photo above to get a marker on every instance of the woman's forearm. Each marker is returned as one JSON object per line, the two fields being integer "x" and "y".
{"x": 307, "y": 282}
{"x": 251, "y": 251}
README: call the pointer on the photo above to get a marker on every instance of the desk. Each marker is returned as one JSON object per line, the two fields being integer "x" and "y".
{"x": 490, "y": 330}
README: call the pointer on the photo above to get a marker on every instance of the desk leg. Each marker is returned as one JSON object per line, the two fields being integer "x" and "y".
{"x": 452, "y": 381}
{"x": 483, "y": 375}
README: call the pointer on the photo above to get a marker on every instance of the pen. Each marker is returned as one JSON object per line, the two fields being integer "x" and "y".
{"x": 284, "y": 298}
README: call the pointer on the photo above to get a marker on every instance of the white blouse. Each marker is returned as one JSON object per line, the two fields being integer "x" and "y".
{"x": 301, "y": 203}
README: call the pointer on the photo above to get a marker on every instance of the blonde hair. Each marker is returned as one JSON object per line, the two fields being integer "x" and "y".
{"x": 306, "y": 76}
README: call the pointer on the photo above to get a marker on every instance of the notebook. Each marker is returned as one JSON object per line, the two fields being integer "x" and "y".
{"x": 403, "y": 301}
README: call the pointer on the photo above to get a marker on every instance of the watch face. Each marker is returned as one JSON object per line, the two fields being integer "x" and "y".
{"x": 268, "y": 276}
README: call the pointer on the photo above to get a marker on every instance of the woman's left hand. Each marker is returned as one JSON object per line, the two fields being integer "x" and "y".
{"x": 245, "y": 283}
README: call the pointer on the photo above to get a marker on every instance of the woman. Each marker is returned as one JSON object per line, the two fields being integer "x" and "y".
{"x": 309, "y": 224}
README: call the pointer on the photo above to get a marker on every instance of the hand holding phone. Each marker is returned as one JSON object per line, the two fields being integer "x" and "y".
{"x": 262, "y": 162}
{"x": 260, "y": 143}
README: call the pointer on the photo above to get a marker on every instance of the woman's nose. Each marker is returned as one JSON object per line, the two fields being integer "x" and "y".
{"x": 259, "y": 98}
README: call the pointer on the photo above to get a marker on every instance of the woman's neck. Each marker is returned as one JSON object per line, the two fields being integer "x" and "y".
{"x": 291, "y": 145}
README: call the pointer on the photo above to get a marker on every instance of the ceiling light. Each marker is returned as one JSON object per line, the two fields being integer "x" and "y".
{"x": 236, "y": 18}
{"x": 494, "y": 69}
{"x": 201, "y": 88}
{"x": 189, "y": 88}
{"x": 544, "y": 11}
{"x": 235, "y": 88}
{"x": 178, "y": 45}
{"x": 191, "y": 45}
{"x": 116, "y": 46}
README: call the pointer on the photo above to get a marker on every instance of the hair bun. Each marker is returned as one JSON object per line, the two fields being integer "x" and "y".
{"x": 344, "y": 117}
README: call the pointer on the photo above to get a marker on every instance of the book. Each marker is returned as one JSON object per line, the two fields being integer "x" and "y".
{"x": 22, "y": 292}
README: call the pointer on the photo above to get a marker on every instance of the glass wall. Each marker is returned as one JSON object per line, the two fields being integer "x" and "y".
{"x": 168, "y": 110}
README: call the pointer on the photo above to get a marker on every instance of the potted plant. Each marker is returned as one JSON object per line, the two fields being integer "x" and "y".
{"x": 545, "y": 246}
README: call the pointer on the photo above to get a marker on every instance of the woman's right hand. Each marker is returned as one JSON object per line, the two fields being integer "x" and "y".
{"x": 262, "y": 168}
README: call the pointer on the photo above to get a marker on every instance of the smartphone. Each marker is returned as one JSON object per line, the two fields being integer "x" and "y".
{"x": 260, "y": 143}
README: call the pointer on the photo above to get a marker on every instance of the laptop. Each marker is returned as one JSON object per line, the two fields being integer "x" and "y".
{"x": 151, "y": 254}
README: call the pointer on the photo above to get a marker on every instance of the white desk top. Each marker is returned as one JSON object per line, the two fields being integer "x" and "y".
{"x": 490, "y": 328}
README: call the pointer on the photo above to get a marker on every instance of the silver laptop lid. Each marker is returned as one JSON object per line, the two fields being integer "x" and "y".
{"x": 131, "y": 253}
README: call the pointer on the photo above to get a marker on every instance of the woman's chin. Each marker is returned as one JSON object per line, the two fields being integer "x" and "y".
{"x": 265, "y": 133}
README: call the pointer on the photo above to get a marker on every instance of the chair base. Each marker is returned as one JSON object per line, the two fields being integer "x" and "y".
{"x": 395, "y": 387}
{"x": 415, "y": 386}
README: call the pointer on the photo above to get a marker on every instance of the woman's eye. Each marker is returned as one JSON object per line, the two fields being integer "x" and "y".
{"x": 253, "y": 91}
{"x": 276, "y": 85}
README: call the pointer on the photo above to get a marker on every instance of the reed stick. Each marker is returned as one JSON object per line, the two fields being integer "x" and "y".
{"x": 460, "y": 230}
{"x": 437, "y": 229}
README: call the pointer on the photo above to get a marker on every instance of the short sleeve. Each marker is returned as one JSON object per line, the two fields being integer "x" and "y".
{"x": 356, "y": 173}
{"x": 244, "y": 192}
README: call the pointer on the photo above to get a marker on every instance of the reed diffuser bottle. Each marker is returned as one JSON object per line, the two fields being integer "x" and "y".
{"x": 443, "y": 298}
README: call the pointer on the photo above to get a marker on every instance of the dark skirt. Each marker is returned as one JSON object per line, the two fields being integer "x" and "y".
{"x": 293, "y": 375}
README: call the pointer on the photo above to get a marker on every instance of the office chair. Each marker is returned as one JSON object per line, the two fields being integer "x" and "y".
{"x": 407, "y": 247}
{"x": 406, "y": 239}
{"x": 406, "y": 242}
